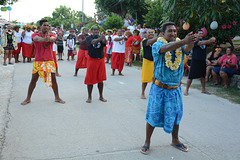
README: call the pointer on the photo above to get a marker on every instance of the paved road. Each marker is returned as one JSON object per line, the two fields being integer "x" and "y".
{"x": 45, "y": 130}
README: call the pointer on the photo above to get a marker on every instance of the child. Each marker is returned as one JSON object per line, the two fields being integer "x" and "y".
{"x": 60, "y": 45}
{"x": 109, "y": 49}
{"x": 70, "y": 44}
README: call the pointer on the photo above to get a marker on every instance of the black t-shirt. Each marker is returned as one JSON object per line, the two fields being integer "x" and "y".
{"x": 147, "y": 50}
{"x": 95, "y": 50}
{"x": 9, "y": 37}
{"x": 199, "y": 52}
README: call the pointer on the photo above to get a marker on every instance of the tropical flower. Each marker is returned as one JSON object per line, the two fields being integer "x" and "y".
{"x": 229, "y": 26}
{"x": 214, "y": 43}
{"x": 234, "y": 23}
{"x": 224, "y": 27}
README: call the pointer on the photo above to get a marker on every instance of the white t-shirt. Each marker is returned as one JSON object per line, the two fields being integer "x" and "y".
{"x": 28, "y": 37}
{"x": 131, "y": 28}
{"x": 70, "y": 42}
{"x": 19, "y": 36}
{"x": 54, "y": 47}
{"x": 126, "y": 24}
{"x": 118, "y": 46}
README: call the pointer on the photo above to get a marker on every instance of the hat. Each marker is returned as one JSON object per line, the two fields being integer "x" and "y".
{"x": 15, "y": 27}
{"x": 109, "y": 30}
{"x": 136, "y": 31}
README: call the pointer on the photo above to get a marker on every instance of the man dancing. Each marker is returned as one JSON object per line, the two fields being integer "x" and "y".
{"x": 148, "y": 65}
{"x": 165, "y": 106}
{"x": 83, "y": 51}
{"x": 118, "y": 52}
{"x": 43, "y": 65}
{"x": 198, "y": 65}
{"x": 96, "y": 71}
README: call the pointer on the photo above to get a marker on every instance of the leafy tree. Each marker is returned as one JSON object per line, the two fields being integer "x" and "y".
{"x": 113, "y": 22}
{"x": 201, "y": 13}
{"x": 120, "y": 7}
{"x": 66, "y": 16}
{"x": 154, "y": 15}
{"x": 6, "y": 2}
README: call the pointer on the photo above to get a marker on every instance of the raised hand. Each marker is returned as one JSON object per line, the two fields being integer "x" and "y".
{"x": 189, "y": 38}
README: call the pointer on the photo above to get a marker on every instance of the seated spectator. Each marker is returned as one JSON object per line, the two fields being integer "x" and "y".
{"x": 212, "y": 61}
{"x": 228, "y": 67}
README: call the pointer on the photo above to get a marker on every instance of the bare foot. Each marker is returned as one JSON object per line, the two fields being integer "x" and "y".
{"x": 120, "y": 74}
{"x": 59, "y": 100}
{"x": 75, "y": 75}
{"x": 102, "y": 99}
{"x": 216, "y": 83}
{"x": 58, "y": 75}
{"x": 25, "y": 102}
{"x": 89, "y": 100}
{"x": 143, "y": 96}
{"x": 185, "y": 93}
{"x": 225, "y": 86}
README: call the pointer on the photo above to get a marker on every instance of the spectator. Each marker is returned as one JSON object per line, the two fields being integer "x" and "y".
{"x": 228, "y": 67}
{"x": 131, "y": 19}
{"x": 126, "y": 22}
{"x": 143, "y": 31}
{"x": 212, "y": 61}
{"x": 131, "y": 27}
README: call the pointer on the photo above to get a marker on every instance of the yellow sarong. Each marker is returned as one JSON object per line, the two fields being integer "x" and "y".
{"x": 44, "y": 69}
{"x": 147, "y": 71}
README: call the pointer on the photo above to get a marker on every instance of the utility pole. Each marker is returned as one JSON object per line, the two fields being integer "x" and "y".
{"x": 82, "y": 10}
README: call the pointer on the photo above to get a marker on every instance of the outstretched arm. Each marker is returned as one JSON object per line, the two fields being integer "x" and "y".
{"x": 189, "y": 40}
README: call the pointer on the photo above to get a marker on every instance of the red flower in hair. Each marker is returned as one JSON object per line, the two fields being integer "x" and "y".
{"x": 229, "y": 26}
{"x": 234, "y": 23}
{"x": 224, "y": 27}
{"x": 214, "y": 43}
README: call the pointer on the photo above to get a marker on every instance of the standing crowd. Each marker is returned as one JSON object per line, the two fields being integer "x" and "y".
{"x": 162, "y": 56}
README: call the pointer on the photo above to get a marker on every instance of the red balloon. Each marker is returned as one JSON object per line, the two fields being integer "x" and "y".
{"x": 204, "y": 31}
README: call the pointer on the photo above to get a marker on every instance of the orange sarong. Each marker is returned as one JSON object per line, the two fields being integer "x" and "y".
{"x": 45, "y": 70}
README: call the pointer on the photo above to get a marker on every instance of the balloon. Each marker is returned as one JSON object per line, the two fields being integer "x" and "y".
{"x": 204, "y": 32}
{"x": 9, "y": 8}
{"x": 1, "y": 8}
{"x": 4, "y": 9}
{"x": 186, "y": 26}
{"x": 214, "y": 25}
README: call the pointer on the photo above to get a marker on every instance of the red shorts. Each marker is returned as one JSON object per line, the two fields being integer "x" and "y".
{"x": 96, "y": 71}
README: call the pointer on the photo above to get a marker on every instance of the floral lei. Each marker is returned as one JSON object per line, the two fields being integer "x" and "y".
{"x": 168, "y": 56}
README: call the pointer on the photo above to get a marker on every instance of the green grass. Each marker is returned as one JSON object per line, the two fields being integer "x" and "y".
{"x": 230, "y": 93}
{"x": 138, "y": 64}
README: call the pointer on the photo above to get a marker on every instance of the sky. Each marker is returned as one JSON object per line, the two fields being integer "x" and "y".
{"x": 33, "y": 10}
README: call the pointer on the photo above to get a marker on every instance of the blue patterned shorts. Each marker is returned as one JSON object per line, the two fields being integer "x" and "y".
{"x": 165, "y": 107}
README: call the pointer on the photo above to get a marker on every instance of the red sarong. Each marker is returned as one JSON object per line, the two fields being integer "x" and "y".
{"x": 82, "y": 59}
{"x": 128, "y": 54}
{"x": 117, "y": 61}
{"x": 96, "y": 71}
{"x": 18, "y": 50}
{"x": 135, "y": 50}
{"x": 55, "y": 58}
{"x": 27, "y": 50}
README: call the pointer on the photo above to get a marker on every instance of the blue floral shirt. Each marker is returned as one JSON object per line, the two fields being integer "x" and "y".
{"x": 161, "y": 72}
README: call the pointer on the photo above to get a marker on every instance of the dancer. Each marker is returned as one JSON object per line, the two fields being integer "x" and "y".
{"x": 19, "y": 43}
{"x": 148, "y": 65}
{"x": 198, "y": 65}
{"x": 165, "y": 99}
{"x": 43, "y": 65}
{"x": 118, "y": 52}
{"x": 96, "y": 71}
{"x": 9, "y": 43}
{"x": 83, "y": 51}
{"x": 27, "y": 44}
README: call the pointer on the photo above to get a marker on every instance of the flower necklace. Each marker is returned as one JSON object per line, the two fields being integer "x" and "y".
{"x": 44, "y": 42}
{"x": 168, "y": 56}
